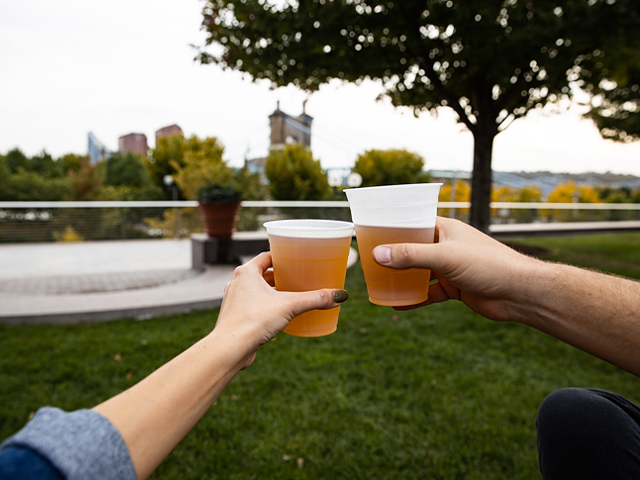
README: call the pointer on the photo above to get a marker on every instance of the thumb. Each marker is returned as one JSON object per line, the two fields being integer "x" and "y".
{"x": 408, "y": 255}
{"x": 323, "y": 299}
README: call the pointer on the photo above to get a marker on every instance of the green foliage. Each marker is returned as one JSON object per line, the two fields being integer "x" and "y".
{"x": 202, "y": 174}
{"x": 168, "y": 152}
{"x": 202, "y": 166}
{"x": 217, "y": 193}
{"x": 5, "y": 178}
{"x": 45, "y": 166}
{"x": 72, "y": 162}
{"x": 126, "y": 178}
{"x": 613, "y": 72}
{"x": 253, "y": 187}
{"x": 479, "y": 58}
{"x": 86, "y": 183}
{"x": 16, "y": 160}
{"x": 491, "y": 62}
{"x": 26, "y": 186}
{"x": 436, "y": 392}
{"x": 609, "y": 194}
{"x": 390, "y": 167}
{"x": 125, "y": 169}
{"x": 294, "y": 174}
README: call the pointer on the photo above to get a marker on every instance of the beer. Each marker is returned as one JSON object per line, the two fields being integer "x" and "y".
{"x": 311, "y": 261}
{"x": 387, "y": 286}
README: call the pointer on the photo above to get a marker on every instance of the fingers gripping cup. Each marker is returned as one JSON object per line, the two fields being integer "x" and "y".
{"x": 394, "y": 214}
{"x": 309, "y": 255}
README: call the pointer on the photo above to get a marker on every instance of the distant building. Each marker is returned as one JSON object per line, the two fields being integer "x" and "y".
{"x": 287, "y": 129}
{"x": 168, "y": 131}
{"x": 516, "y": 180}
{"x": 338, "y": 176}
{"x": 134, "y": 143}
{"x": 95, "y": 149}
{"x": 255, "y": 165}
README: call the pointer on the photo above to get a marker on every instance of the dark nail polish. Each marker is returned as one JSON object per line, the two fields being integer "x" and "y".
{"x": 340, "y": 296}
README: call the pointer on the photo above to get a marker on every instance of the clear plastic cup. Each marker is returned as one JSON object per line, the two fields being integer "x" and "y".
{"x": 394, "y": 214}
{"x": 308, "y": 255}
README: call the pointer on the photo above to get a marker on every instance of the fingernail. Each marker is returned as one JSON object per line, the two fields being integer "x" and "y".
{"x": 382, "y": 254}
{"x": 340, "y": 296}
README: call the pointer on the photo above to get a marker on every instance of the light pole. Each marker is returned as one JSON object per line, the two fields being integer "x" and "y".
{"x": 354, "y": 180}
{"x": 168, "y": 181}
{"x": 334, "y": 179}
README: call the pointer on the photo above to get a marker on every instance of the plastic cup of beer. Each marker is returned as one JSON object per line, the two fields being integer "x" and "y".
{"x": 394, "y": 214}
{"x": 309, "y": 255}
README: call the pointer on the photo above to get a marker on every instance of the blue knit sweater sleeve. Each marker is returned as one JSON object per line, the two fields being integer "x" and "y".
{"x": 79, "y": 445}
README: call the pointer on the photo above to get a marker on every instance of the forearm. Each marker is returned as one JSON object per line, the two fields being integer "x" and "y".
{"x": 154, "y": 415}
{"x": 597, "y": 313}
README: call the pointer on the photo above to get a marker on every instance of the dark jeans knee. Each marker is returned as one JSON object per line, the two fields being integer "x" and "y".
{"x": 588, "y": 434}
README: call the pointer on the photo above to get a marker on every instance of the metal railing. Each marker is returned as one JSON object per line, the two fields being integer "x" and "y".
{"x": 100, "y": 220}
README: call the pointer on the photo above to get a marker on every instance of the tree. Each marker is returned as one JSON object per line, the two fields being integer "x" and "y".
{"x": 294, "y": 174}
{"x": 86, "y": 183}
{"x": 613, "y": 74}
{"x": 461, "y": 193}
{"x": 72, "y": 162}
{"x": 126, "y": 169}
{"x": 5, "y": 179}
{"x": 201, "y": 164}
{"x": 569, "y": 192}
{"x": 44, "y": 165}
{"x": 511, "y": 194}
{"x": 390, "y": 167}
{"x": 16, "y": 160}
{"x": 168, "y": 151}
{"x": 491, "y": 62}
{"x": 170, "y": 155}
{"x": 26, "y": 186}
{"x": 526, "y": 194}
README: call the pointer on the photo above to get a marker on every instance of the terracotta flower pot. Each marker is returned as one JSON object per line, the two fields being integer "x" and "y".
{"x": 220, "y": 218}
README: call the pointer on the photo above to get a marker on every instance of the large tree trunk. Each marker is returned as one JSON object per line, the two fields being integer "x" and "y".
{"x": 481, "y": 180}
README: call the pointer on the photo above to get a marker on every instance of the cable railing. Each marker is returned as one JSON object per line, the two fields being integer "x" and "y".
{"x": 110, "y": 220}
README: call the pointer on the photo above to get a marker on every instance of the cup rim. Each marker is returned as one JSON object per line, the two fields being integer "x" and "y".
{"x": 310, "y": 228}
{"x": 394, "y": 187}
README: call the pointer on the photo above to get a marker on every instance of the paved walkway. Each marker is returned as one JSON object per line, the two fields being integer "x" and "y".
{"x": 101, "y": 281}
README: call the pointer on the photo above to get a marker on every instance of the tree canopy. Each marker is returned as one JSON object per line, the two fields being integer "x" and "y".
{"x": 491, "y": 62}
{"x": 294, "y": 174}
{"x": 126, "y": 169}
{"x": 390, "y": 167}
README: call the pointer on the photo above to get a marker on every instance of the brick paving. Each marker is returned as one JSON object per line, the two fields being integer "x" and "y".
{"x": 95, "y": 283}
{"x": 100, "y": 281}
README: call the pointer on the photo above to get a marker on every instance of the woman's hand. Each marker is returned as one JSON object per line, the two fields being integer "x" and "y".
{"x": 254, "y": 312}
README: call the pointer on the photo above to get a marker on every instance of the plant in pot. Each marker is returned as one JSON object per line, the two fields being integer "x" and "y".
{"x": 204, "y": 176}
{"x": 220, "y": 208}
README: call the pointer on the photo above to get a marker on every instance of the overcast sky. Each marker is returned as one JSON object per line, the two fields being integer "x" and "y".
{"x": 68, "y": 67}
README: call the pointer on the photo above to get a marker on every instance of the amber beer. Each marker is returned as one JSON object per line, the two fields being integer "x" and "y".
{"x": 310, "y": 262}
{"x": 394, "y": 214}
{"x": 387, "y": 286}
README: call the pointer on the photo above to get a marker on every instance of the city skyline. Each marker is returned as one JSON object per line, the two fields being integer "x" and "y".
{"x": 118, "y": 68}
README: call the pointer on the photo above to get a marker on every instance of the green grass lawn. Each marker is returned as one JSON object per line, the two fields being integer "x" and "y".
{"x": 436, "y": 393}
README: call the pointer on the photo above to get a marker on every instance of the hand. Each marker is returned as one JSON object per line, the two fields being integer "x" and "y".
{"x": 254, "y": 311}
{"x": 469, "y": 266}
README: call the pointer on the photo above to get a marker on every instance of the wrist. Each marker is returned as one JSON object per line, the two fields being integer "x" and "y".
{"x": 233, "y": 349}
{"x": 528, "y": 290}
